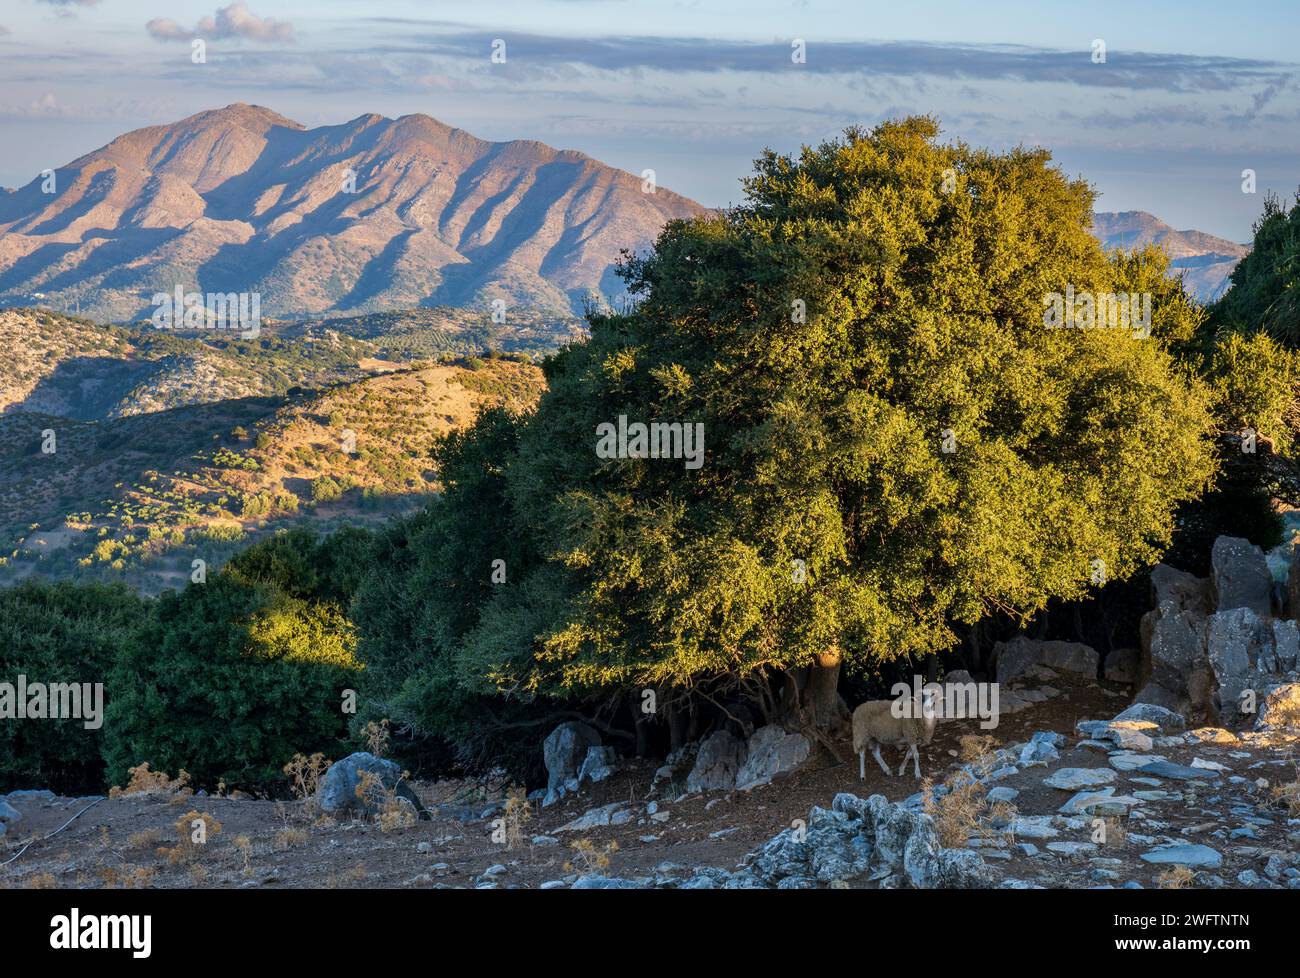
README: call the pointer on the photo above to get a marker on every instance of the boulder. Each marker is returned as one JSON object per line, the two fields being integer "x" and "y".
{"x": 1240, "y": 577}
{"x": 1015, "y": 658}
{"x": 8, "y": 814}
{"x": 1202, "y": 857}
{"x": 563, "y": 751}
{"x": 598, "y": 764}
{"x": 1185, "y": 591}
{"x": 719, "y": 760}
{"x": 1279, "y": 711}
{"x": 771, "y": 751}
{"x": 1038, "y": 752}
{"x": 338, "y": 794}
{"x": 1166, "y": 720}
{"x": 1077, "y": 778}
{"x": 615, "y": 813}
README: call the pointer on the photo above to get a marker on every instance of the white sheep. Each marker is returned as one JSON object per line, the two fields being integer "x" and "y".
{"x": 874, "y": 723}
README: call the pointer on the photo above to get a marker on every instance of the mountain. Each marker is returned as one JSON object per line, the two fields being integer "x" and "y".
{"x": 241, "y": 199}
{"x": 1205, "y": 260}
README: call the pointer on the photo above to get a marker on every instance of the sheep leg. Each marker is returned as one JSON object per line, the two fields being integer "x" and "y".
{"x": 875, "y": 752}
{"x": 862, "y": 764}
{"x": 907, "y": 752}
{"x": 916, "y": 761}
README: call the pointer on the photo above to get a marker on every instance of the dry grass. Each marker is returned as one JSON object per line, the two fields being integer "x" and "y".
{"x": 305, "y": 773}
{"x": 588, "y": 857}
{"x": 127, "y": 877}
{"x": 514, "y": 816}
{"x": 146, "y": 782}
{"x": 1289, "y": 795}
{"x": 187, "y": 828}
{"x": 1175, "y": 878}
{"x": 963, "y": 810}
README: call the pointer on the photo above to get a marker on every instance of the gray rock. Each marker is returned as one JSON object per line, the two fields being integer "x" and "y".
{"x": 1280, "y": 709}
{"x": 1240, "y": 577}
{"x": 605, "y": 883}
{"x": 31, "y": 794}
{"x": 1015, "y": 658}
{"x": 717, "y": 763}
{"x": 615, "y": 813}
{"x": 1034, "y": 827}
{"x": 1201, "y": 857}
{"x": 1076, "y": 778}
{"x": 771, "y": 751}
{"x": 598, "y": 764}
{"x": 1000, "y": 794}
{"x": 1248, "y": 877}
{"x": 338, "y": 788}
{"x": 9, "y": 814}
{"x": 1038, "y": 752}
{"x": 1237, "y": 642}
{"x": 1177, "y": 772}
{"x": 1166, "y": 720}
{"x": 563, "y": 750}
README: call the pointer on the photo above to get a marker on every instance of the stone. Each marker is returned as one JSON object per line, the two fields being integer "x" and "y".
{"x": 1199, "y": 856}
{"x": 1177, "y": 772}
{"x": 1036, "y": 753}
{"x": 1000, "y": 794}
{"x": 1072, "y": 850}
{"x": 1123, "y": 666}
{"x": 1014, "y": 658}
{"x": 1034, "y": 827}
{"x": 615, "y": 813}
{"x": 1240, "y": 577}
{"x": 1123, "y": 760}
{"x": 771, "y": 751}
{"x": 605, "y": 883}
{"x": 1095, "y": 803}
{"x": 1237, "y": 641}
{"x": 563, "y": 750}
{"x": 337, "y": 794}
{"x": 1166, "y": 720}
{"x": 1209, "y": 765}
{"x": 1174, "y": 670}
{"x": 1280, "y": 709}
{"x": 719, "y": 760}
{"x": 8, "y": 814}
{"x": 1075, "y": 778}
{"x": 598, "y": 764}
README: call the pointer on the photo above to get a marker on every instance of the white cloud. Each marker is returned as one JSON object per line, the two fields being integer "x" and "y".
{"x": 235, "y": 20}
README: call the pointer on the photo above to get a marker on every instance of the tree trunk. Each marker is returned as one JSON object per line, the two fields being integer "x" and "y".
{"x": 822, "y": 703}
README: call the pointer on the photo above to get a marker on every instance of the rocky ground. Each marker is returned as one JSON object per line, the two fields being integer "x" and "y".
{"x": 1208, "y": 804}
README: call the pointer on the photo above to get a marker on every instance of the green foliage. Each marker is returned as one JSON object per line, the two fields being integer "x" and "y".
{"x": 64, "y": 633}
{"x": 1265, "y": 290}
{"x": 229, "y": 679}
{"x": 824, "y": 434}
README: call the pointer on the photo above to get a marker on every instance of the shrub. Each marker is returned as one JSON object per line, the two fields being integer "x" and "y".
{"x": 66, "y": 633}
{"x": 230, "y": 680}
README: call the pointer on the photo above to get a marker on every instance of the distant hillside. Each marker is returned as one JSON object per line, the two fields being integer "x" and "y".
{"x": 1205, "y": 260}
{"x": 368, "y": 215}
{"x": 138, "y": 488}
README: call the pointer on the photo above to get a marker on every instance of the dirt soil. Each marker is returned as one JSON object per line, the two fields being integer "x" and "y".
{"x": 126, "y": 841}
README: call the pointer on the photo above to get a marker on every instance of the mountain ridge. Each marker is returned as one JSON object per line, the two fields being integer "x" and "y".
{"x": 244, "y": 199}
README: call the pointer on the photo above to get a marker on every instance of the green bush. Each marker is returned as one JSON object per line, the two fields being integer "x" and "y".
{"x": 68, "y": 633}
{"x": 231, "y": 678}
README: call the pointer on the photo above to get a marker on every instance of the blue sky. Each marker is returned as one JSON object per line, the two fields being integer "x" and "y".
{"x": 1190, "y": 93}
